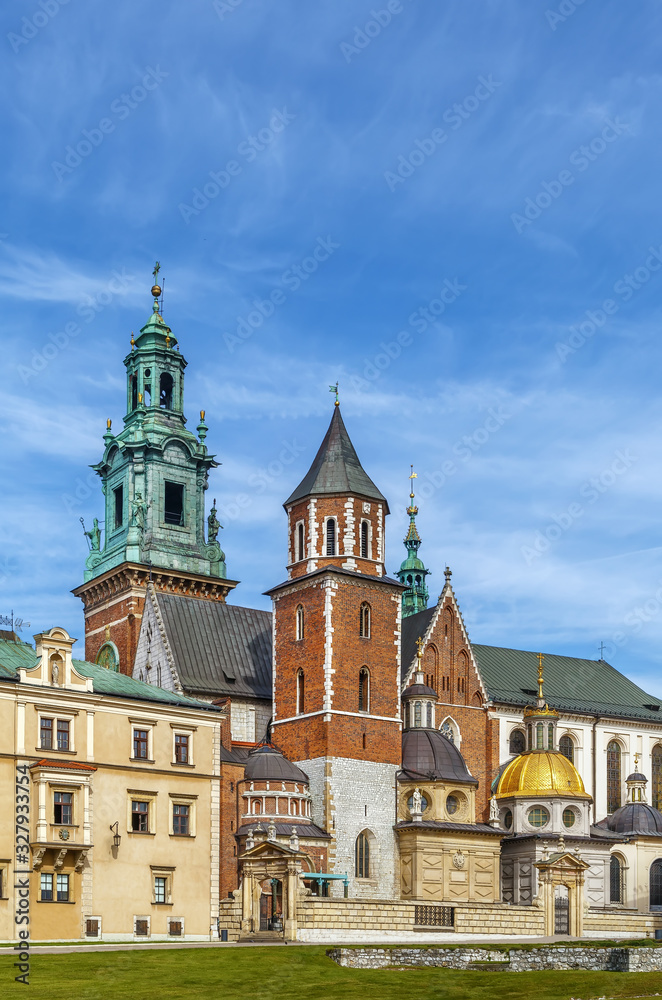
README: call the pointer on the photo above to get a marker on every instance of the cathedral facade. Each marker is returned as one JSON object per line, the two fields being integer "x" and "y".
{"x": 377, "y": 770}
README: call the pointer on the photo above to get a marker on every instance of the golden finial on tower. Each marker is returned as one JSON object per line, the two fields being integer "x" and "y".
{"x": 108, "y": 424}
{"x": 636, "y": 761}
{"x": 133, "y": 343}
{"x": 540, "y": 677}
{"x": 419, "y": 648}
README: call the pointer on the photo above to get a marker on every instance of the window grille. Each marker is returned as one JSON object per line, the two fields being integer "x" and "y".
{"x": 434, "y": 916}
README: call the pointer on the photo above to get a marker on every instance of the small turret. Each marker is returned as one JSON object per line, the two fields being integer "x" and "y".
{"x": 412, "y": 572}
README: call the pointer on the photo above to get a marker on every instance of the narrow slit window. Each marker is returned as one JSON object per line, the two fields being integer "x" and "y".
{"x": 330, "y": 537}
{"x": 364, "y": 621}
{"x": 300, "y": 543}
{"x": 174, "y": 503}
{"x": 300, "y": 622}
{"x": 364, "y": 540}
{"x": 301, "y": 693}
{"x": 118, "y": 496}
{"x": 364, "y": 690}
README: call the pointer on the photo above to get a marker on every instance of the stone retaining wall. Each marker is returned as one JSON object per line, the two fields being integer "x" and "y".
{"x": 514, "y": 960}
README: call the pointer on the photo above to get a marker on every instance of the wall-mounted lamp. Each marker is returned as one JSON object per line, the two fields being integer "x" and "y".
{"x": 115, "y": 828}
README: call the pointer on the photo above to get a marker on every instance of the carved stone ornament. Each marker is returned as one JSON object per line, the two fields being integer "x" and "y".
{"x": 459, "y": 860}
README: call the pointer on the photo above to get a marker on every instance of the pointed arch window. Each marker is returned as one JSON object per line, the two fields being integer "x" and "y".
{"x": 567, "y": 748}
{"x": 656, "y": 777}
{"x": 301, "y": 693}
{"x": 165, "y": 391}
{"x": 364, "y": 690}
{"x": 300, "y": 621}
{"x": 364, "y": 621}
{"x": 331, "y": 537}
{"x": 301, "y": 550}
{"x": 613, "y": 776}
{"x": 362, "y": 856}
{"x": 365, "y": 548}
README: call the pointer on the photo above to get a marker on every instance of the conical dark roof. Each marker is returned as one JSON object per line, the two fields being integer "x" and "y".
{"x": 336, "y": 468}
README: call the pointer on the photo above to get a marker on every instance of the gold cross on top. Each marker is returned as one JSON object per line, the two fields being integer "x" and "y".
{"x": 419, "y": 647}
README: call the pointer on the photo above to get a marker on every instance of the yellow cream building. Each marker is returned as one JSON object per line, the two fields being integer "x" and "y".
{"x": 113, "y": 789}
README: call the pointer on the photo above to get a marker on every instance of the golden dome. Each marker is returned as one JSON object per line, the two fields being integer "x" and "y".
{"x": 541, "y": 773}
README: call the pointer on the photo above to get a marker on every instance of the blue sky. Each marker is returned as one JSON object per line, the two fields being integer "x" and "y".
{"x": 483, "y": 182}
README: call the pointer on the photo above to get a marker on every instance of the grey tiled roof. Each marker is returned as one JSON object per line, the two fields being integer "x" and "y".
{"x": 304, "y": 830}
{"x": 218, "y": 648}
{"x": 433, "y": 824}
{"x": 336, "y": 468}
{"x": 572, "y": 684}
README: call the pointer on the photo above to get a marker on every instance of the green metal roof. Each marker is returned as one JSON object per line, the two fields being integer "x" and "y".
{"x": 571, "y": 684}
{"x": 336, "y": 468}
{"x": 14, "y": 654}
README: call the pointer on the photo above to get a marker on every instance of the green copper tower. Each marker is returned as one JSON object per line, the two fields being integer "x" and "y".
{"x": 154, "y": 472}
{"x": 412, "y": 572}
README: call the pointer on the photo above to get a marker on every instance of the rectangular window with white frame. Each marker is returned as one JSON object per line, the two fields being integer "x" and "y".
{"x": 175, "y": 927}
{"x": 141, "y": 811}
{"x": 182, "y": 815}
{"x": 63, "y": 808}
{"x": 142, "y": 740}
{"x": 141, "y": 926}
{"x": 56, "y": 732}
{"x": 4, "y": 879}
{"x": 162, "y": 881}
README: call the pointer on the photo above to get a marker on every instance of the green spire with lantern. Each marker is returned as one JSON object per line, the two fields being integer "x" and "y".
{"x": 412, "y": 572}
{"x": 154, "y": 472}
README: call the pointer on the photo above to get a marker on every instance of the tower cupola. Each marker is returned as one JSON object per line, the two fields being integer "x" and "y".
{"x": 412, "y": 572}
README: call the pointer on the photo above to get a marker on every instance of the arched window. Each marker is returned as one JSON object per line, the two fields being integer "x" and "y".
{"x": 365, "y": 550}
{"x": 567, "y": 748}
{"x": 540, "y": 732}
{"x": 362, "y": 856}
{"x": 450, "y": 731}
{"x": 656, "y": 885}
{"x": 147, "y": 387}
{"x": 656, "y": 776}
{"x": 429, "y": 722}
{"x": 364, "y": 621}
{"x": 550, "y": 736}
{"x": 417, "y": 714}
{"x": 613, "y": 776}
{"x": 517, "y": 742}
{"x": 108, "y": 656}
{"x": 165, "y": 391}
{"x": 364, "y": 690}
{"x": 300, "y": 621}
{"x": 300, "y": 693}
{"x": 615, "y": 880}
{"x": 134, "y": 391}
{"x": 300, "y": 543}
{"x": 330, "y": 537}
{"x": 529, "y": 730}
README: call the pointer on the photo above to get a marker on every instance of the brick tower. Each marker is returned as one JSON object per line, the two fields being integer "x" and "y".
{"x": 153, "y": 474}
{"x": 336, "y": 661}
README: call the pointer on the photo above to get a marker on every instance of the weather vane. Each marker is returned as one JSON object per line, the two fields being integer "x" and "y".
{"x": 15, "y": 624}
{"x": 334, "y": 388}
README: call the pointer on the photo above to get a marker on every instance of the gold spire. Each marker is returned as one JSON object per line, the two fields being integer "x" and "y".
{"x": 412, "y": 508}
{"x": 541, "y": 698}
{"x": 419, "y": 648}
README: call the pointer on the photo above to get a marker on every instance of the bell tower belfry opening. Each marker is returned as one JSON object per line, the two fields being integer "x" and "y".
{"x": 154, "y": 474}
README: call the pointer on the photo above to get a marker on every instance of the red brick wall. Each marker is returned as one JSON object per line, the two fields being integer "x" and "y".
{"x": 342, "y": 736}
{"x": 231, "y": 776}
{"x": 335, "y": 507}
{"x": 126, "y": 614}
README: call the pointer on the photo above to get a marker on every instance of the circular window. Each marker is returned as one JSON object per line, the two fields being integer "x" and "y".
{"x": 569, "y": 817}
{"x": 538, "y": 816}
{"x": 148, "y": 372}
{"x": 453, "y": 804}
{"x": 508, "y": 819}
{"x": 424, "y": 802}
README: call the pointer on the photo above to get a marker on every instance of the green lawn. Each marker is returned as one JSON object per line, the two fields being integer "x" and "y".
{"x": 292, "y": 973}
